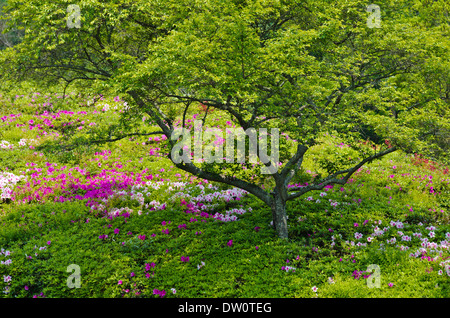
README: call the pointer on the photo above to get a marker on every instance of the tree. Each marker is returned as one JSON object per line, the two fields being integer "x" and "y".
{"x": 304, "y": 67}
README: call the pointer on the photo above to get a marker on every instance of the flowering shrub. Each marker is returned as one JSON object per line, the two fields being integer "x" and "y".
{"x": 7, "y": 183}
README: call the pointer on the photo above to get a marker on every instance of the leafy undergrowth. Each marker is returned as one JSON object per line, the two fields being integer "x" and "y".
{"x": 135, "y": 226}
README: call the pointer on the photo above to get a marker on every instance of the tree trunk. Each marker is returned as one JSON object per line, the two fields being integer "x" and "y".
{"x": 279, "y": 215}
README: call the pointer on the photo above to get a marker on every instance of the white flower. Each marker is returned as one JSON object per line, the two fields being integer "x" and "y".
{"x": 288, "y": 268}
{"x": 391, "y": 241}
{"x": 314, "y": 289}
{"x": 432, "y": 245}
{"x": 431, "y": 234}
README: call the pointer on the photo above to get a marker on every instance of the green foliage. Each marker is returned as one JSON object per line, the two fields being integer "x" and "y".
{"x": 314, "y": 70}
{"x": 239, "y": 270}
{"x": 385, "y": 83}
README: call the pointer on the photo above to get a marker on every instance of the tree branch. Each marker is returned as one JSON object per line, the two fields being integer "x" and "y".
{"x": 233, "y": 181}
{"x": 331, "y": 179}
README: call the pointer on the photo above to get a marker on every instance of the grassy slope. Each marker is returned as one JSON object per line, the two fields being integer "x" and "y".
{"x": 70, "y": 232}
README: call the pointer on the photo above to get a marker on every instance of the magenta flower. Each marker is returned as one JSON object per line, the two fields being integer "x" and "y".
{"x": 185, "y": 259}
{"x": 390, "y": 285}
{"x": 132, "y": 274}
{"x": 141, "y": 237}
{"x": 116, "y": 231}
{"x": 148, "y": 266}
{"x": 230, "y": 243}
{"x": 161, "y": 293}
{"x": 119, "y": 283}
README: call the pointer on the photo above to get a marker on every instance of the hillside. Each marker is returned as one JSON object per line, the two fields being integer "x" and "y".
{"x": 136, "y": 226}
